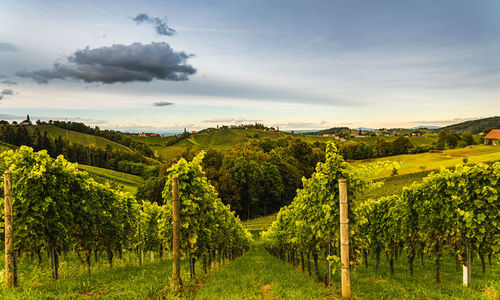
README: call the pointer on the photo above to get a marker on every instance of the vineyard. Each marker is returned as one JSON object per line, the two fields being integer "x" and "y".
{"x": 455, "y": 212}
{"x": 76, "y": 237}
{"x": 60, "y": 210}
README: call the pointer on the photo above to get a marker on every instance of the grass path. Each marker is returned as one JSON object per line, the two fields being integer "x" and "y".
{"x": 258, "y": 275}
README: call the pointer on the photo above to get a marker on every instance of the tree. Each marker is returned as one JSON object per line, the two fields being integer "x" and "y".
{"x": 401, "y": 145}
{"x": 452, "y": 140}
{"x": 468, "y": 138}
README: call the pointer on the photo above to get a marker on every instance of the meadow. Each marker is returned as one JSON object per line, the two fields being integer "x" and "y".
{"x": 127, "y": 182}
{"x": 414, "y": 163}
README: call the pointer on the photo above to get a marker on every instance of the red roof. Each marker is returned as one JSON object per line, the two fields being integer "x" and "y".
{"x": 494, "y": 134}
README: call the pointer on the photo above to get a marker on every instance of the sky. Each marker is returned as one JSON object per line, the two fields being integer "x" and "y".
{"x": 168, "y": 65}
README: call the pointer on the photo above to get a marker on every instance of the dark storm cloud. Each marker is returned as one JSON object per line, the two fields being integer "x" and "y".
{"x": 163, "y": 103}
{"x": 7, "y": 92}
{"x": 160, "y": 25}
{"x": 8, "y": 47}
{"x": 120, "y": 63}
{"x": 9, "y": 82}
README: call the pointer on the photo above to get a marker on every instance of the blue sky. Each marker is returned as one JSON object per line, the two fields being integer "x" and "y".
{"x": 295, "y": 64}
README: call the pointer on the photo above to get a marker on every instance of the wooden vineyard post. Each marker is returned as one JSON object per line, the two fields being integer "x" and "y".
{"x": 140, "y": 245}
{"x": 344, "y": 239}
{"x": 466, "y": 268}
{"x": 10, "y": 265}
{"x": 176, "y": 276}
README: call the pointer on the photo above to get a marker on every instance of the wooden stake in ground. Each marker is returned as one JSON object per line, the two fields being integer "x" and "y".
{"x": 466, "y": 268}
{"x": 176, "y": 276}
{"x": 10, "y": 265}
{"x": 140, "y": 245}
{"x": 344, "y": 239}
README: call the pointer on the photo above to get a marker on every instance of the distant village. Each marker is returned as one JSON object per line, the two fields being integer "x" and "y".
{"x": 257, "y": 126}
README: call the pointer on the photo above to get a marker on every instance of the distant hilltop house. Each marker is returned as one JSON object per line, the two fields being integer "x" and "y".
{"x": 26, "y": 122}
{"x": 493, "y": 136}
{"x": 148, "y": 134}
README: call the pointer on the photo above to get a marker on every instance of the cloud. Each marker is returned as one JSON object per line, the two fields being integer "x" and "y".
{"x": 446, "y": 122}
{"x": 163, "y": 103}
{"x": 9, "y": 82}
{"x": 160, "y": 25}
{"x": 8, "y": 47}
{"x": 230, "y": 120}
{"x": 119, "y": 63}
{"x": 7, "y": 92}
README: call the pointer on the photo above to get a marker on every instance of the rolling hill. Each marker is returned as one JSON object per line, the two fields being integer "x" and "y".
{"x": 474, "y": 126}
{"x": 127, "y": 182}
{"x": 77, "y": 137}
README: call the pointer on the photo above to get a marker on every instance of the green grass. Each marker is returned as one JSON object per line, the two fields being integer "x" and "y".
{"x": 127, "y": 182}
{"x": 77, "y": 137}
{"x": 414, "y": 163}
{"x": 258, "y": 275}
{"x": 126, "y": 280}
{"x": 367, "y": 283}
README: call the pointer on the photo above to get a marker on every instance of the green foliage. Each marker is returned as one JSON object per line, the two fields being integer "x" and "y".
{"x": 310, "y": 222}
{"x": 58, "y": 207}
{"x": 459, "y": 208}
{"x": 206, "y": 223}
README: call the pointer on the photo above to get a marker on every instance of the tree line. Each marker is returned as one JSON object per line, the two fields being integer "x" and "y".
{"x": 112, "y": 135}
{"x": 255, "y": 178}
{"x": 115, "y": 159}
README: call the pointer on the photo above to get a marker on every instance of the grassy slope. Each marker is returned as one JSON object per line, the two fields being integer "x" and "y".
{"x": 413, "y": 163}
{"x": 217, "y": 139}
{"x": 428, "y": 139}
{"x": 128, "y": 182}
{"x": 474, "y": 126}
{"x": 259, "y": 224}
{"x": 77, "y": 137}
{"x": 258, "y": 275}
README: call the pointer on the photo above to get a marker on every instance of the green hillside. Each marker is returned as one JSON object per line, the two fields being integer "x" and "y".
{"x": 414, "y": 163}
{"x": 77, "y": 137}
{"x": 416, "y": 141}
{"x": 474, "y": 126}
{"x": 127, "y": 182}
{"x": 216, "y": 139}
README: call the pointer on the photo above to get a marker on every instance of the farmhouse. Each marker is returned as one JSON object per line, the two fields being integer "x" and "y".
{"x": 493, "y": 136}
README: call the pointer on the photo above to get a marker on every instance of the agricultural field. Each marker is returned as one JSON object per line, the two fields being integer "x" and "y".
{"x": 127, "y": 182}
{"x": 259, "y": 224}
